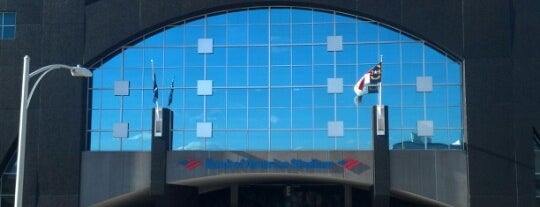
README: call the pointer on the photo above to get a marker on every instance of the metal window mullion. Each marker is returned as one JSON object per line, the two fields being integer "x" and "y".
{"x": 226, "y": 67}
{"x": 356, "y": 75}
{"x": 101, "y": 109}
{"x": 401, "y": 106}
{"x": 248, "y": 25}
{"x": 334, "y": 53}
{"x": 122, "y": 97}
{"x": 424, "y": 74}
{"x": 290, "y": 82}
{"x": 269, "y": 78}
{"x": 312, "y": 82}
{"x": 447, "y": 99}
{"x": 183, "y": 128}
{"x": 142, "y": 96}
{"x": 247, "y": 83}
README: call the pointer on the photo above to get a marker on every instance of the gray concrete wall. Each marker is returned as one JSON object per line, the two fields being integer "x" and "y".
{"x": 106, "y": 175}
{"x": 437, "y": 175}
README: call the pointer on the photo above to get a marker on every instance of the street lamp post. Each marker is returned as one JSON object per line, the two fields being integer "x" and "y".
{"x": 25, "y": 100}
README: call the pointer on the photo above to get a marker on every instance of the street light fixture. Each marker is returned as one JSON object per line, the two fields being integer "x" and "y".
{"x": 76, "y": 71}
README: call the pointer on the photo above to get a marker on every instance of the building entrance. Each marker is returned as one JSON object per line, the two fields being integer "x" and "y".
{"x": 290, "y": 195}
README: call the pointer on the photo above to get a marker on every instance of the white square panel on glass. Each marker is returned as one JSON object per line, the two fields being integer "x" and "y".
{"x": 204, "y": 129}
{"x": 121, "y": 88}
{"x": 424, "y": 84}
{"x": 335, "y": 128}
{"x": 205, "y": 46}
{"x": 120, "y": 130}
{"x": 335, "y": 85}
{"x": 334, "y": 43}
{"x": 204, "y": 87}
{"x": 425, "y": 128}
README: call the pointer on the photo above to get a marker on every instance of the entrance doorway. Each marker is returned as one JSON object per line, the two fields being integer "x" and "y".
{"x": 290, "y": 195}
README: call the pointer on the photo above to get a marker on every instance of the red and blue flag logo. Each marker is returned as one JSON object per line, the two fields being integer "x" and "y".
{"x": 190, "y": 164}
{"x": 349, "y": 163}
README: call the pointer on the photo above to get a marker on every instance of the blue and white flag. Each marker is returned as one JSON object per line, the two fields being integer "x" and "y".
{"x": 171, "y": 93}
{"x": 155, "y": 88}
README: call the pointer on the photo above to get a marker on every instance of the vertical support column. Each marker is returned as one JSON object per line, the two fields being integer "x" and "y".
{"x": 234, "y": 195}
{"x": 347, "y": 194}
{"x": 381, "y": 158}
{"x": 160, "y": 146}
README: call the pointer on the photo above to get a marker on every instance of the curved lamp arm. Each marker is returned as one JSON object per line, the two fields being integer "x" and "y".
{"x": 76, "y": 71}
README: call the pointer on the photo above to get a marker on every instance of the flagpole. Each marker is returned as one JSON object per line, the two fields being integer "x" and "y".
{"x": 380, "y": 94}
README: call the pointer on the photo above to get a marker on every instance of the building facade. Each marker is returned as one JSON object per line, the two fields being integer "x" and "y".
{"x": 262, "y": 103}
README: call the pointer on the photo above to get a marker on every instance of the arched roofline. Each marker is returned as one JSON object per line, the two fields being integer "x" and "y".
{"x": 132, "y": 39}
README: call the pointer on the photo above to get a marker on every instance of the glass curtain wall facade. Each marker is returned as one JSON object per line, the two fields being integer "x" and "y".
{"x": 275, "y": 78}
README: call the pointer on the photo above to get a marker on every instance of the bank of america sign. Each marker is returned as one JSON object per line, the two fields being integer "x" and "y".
{"x": 250, "y": 164}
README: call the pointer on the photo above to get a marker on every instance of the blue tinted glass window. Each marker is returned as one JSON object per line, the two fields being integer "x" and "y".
{"x": 302, "y": 33}
{"x": 154, "y": 40}
{"x": 219, "y": 18}
{"x": 302, "y": 97}
{"x": 218, "y": 76}
{"x": 280, "y": 119}
{"x": 239, "y": 120}
{"x": 347, "y": 31}
{"x": 218, "y": 33}
{"x": 280, "y": 76}
{"x": 302, "y": 140}
{"x": 237, "y": 17}
{"x": 367, "y": 31}
{"x": 321, "y": 31}
{"x": 236, "y": 34}
{"x": 280, "y": 55}
{"x": 218, "y": 100}
{"x": 280, "y": 34}
{"x": 217, "y": 58}
{"x": 323, "y": 17}
{"x": 301, "y": 16}
{"x": 258, "y": 140}
{"x": 7, "y": 25}
{"x": 273, "y": 73}
{"x": 237, "y": 140}
{"x": 174, "y": 36}
{"x": 280, "y": 97}
{"x": 302, "y": 118}
{"x": 347, "y": 56}
{"x": 258, "y": 56}
{"x": 302, "y": 75}
{"x": 280, "y": 140}
{"x": 237, "y": 56}
{"x": 9, "y": 32}
{"x": 258, "y": 98}
{"x": 258, "y": 76}
{"x": 280, "y": 16}
{"x": 9, "y": 18}
{"x": 237, "y": 76}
